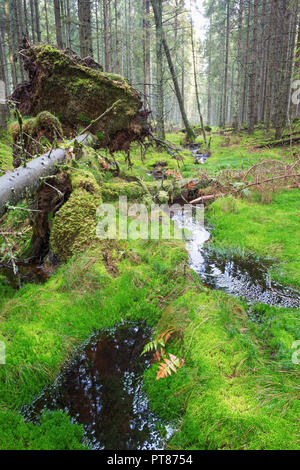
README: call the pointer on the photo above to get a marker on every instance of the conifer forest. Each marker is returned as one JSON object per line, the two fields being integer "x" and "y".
{"x": 149, "y": 227}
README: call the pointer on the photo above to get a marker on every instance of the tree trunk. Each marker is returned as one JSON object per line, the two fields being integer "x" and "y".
{"x": 68, "y": 23}
{"x": 130, "y": 43}
{"x": 246, "y": 66}
{"x": 18, "y": 38}
{"x": 57, "y": 13}
{"x": 196, "y": 86}
{"x": 23, "y": 181}
{"x": 3, "y": 87}
{"x": 146, "y": 51}
{"x": 85, "y": 31}
{"x": 182, "y": 59}
{"x": 26, "y": 30}
{"x": 37, "y": 20}
{"x": 105, "y": 37}
{"x": 252, "y": 75}
{"x": 238, "y": 85}
{"x": 280, "y": 110}
{"x": 10, "y": 45}
{"x": 209, "y": 120}
{"x": 226, "y": 63}
{"x": 157, "y": 8}
{"x": 272, "y": 63}
{"x": 47, "y": 22}
{"x": 117, "y": 38}
{"x": 32, "y": 21}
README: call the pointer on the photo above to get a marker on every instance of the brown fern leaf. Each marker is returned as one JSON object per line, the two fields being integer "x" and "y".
{"x": 168, "y": 366}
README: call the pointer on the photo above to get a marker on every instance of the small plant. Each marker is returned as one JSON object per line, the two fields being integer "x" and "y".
{"x": 168, "y": 363}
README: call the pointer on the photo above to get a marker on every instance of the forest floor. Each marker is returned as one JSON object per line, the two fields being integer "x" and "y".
{"x": 239, "y": 388}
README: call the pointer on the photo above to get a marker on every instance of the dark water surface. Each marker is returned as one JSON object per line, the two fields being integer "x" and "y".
{"x": 102, "y": 388}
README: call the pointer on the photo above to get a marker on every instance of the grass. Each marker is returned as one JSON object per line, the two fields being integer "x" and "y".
{"x": 42, "y": 325}
{"x": 239, "y": 388}
{"x": 271, "y": 230}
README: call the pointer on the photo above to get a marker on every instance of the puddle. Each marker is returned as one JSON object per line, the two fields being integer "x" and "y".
{"x": 245, "y": 277}
{"x": 102, "y": 388}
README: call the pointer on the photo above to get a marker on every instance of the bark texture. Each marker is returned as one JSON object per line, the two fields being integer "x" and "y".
{"x": 15, "y": 185}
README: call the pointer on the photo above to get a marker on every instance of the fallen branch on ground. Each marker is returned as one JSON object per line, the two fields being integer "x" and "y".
{"x": 277, "y": 143}
{"x": 206, "y": 198}
{"x": 268, "y": 181}
{"x": 15, "y": 185}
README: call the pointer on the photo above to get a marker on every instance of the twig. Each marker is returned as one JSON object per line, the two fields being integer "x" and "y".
{"x": 206, "y": 198}
{"x": 268, "y": 180}
{"x": 56, "y": 189}
{"x": 262, "y": 163}
{"x": 15, "y": 233}
{"x": 11, "y": 255}
{"x": 23, "y": 209}
{"x": 100, "y": 117}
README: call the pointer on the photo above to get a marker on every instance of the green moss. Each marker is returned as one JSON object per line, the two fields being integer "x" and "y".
{"x": 5, "y": 154}
{"x": 68, "y": 89}
{"x": 112, "y": 191}
{"x": 238, "y": 389}
{"x": 229, "y": 395}
{"x": 42, "y": 325}
{"x": 55, "y": 431}
{"x": 85, "y": 180}
{"x": 45, "y": 121}
{"x": 38, "y": 132}
{"x": 74, "y": 226}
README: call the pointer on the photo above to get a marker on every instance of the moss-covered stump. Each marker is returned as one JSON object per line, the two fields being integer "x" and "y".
{"x": 35, "y": 136}
{"x": 78, "y": 94}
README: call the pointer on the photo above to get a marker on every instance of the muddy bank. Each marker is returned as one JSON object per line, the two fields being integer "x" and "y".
{"x": 102, "y": 388}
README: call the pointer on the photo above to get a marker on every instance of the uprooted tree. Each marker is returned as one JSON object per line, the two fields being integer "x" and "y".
{"x": 77, "y": 92}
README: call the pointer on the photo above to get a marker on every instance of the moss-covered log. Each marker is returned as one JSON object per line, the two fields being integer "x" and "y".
{"x": 77, "y": 94}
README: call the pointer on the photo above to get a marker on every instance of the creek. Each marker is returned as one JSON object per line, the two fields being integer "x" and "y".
{"x": 240, "y": 276}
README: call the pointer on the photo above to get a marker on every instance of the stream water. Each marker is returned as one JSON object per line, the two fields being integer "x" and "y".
{"x": 198, "y": 156}
{"x": 246, "y": 277}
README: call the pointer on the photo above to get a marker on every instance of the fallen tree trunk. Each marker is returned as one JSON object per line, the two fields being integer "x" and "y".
{"x": 15, "y": 185}
{"x": 278, "y": 143}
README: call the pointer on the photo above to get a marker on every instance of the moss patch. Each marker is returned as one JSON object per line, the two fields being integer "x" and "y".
{"x": 229, "y": 393}
{"x": 74, "y": 226}
{"x": 5, "y": 153}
